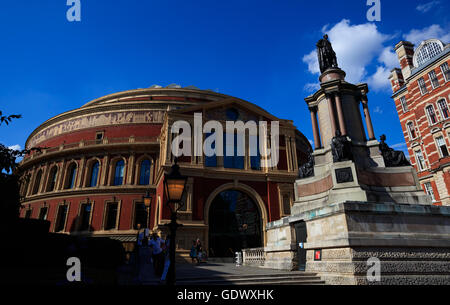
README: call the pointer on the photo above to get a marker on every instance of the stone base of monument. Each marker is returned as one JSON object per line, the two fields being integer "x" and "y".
{"x": 411, "y": 241}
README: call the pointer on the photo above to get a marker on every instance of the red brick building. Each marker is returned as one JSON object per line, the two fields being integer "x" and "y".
{"x": 421, "y": 94}
{"x": 100, "y": 160}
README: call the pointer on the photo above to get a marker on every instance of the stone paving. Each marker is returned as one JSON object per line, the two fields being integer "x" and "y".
{"x": 192, "y": 271}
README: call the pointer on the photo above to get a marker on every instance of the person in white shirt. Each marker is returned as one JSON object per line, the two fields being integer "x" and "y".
{"x": 157, "y": 254}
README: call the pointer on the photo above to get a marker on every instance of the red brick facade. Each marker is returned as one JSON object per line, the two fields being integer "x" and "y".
{"x": 422, "y": 95}
{"x": 128, "y": 128}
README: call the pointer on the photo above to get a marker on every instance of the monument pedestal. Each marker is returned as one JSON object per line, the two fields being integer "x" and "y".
{"x": 412, "y": 243}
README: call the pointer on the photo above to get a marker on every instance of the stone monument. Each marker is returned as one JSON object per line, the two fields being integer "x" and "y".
{"x": 357, "y": 199}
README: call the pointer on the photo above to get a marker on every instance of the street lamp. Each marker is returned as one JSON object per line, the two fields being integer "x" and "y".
{"x": 174, "y": 185}
{"x": 147, "y": 203}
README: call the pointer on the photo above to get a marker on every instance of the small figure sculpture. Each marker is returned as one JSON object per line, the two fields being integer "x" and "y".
{"x": 340, "y": 147}
{"x": 392, "y": 158}
{"x": 307, "y": 169}
{"x": 326, "y": 54}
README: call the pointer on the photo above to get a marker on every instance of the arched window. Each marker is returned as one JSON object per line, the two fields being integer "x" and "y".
{"x": 427, "y": 50}
{"x": 52, "y": 179}
{"x": 94, "y": 174}
{"x": 444, "y": 108}
{"x": 37, "y": 182}
{"x": 71, "y": 176}
{"x": 411, "y": 130}
{"x": 431, "y": 114}
{"x": 144, "y": 173}
{"x": 118, "y": 172}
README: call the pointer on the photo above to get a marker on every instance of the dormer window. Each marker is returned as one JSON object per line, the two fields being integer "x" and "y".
{"x": 427, "y": 50}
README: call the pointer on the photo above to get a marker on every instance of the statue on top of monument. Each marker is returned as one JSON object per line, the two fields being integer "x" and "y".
{"x": 392, "y": 158}
{"x": 326, "y": 54}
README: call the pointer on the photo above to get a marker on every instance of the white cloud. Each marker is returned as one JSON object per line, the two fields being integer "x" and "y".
{"x": 379, "y": 80}
{"x": 356, "y": 47}
{"x": 311, "y": 87}
{"x": 416, "y": 36}
{"x": 15, "y": 147}
{"x": 388, "y": 57}
{"x": 423, "y": 8}
{"x": 399, "y": 146}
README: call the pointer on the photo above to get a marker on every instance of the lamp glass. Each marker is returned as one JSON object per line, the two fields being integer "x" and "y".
{"x": 147, "y": 201}
{"x": 175, "y": 188}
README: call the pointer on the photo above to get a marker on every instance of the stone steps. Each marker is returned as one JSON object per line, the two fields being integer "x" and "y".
{"x": 292, "y": 278}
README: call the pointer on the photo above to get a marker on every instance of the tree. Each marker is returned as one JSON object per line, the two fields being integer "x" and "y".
{"x": 10, "y": 178}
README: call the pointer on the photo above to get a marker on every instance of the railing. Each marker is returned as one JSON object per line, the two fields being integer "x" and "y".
{"x": 253, "y": 257}
{"x": 90, "y": 143}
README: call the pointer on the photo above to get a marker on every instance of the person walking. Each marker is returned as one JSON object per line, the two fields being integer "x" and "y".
{"x": 157, "y": 254}
{"x": 193, "y": 253}
{"x": 199, "y": 249}
{"x": 166, "y": 252}
{"x": 144, "y": 256}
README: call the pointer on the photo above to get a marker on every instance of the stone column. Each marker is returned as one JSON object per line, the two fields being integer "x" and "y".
{"x": 332, "y": 116}
{"x": 367, "y": 116}
{"x": 104, "y": 175}
{"x": 340, "y": 114}
{"x": 61, "y": 176}
{"x": 43, "y": 184}
{"x": 81, "y": 171}
{"x": 315, "y": 126}
{"x": 130, "y": 172}
{"x": 31, "y": 183}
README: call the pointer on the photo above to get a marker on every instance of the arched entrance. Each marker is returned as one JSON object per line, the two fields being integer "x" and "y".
{"x": 235, "y": 223}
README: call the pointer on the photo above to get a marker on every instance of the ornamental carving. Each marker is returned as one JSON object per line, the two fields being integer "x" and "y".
{"x": 96, "y": 120}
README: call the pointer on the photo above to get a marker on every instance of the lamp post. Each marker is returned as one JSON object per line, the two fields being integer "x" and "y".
{"x": 174, "y": 185}
{"x": 147, "y": 203}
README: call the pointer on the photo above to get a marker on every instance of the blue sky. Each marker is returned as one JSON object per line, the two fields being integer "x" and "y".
{"x": 254, "y": 50}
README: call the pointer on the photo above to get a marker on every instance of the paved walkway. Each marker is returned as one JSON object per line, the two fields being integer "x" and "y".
{"x": 127, "y": 274}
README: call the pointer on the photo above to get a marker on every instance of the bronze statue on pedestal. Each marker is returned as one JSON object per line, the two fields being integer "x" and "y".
{"x": 326, "y": 54}
{"x": 392, "y": 158}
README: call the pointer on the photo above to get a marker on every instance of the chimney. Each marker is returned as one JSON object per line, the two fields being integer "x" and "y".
{"x": 397, "y": 80}
{"x": 405, "y": 53}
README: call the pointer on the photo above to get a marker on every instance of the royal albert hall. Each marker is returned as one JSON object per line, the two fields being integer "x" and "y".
{"x": 98, "y": 162}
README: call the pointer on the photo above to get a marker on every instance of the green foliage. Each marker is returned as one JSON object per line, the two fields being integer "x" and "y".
{"x": 8, "y": 119}
{"x": 9, "y": 177}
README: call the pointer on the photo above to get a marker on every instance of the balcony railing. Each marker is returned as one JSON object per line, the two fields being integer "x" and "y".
{"x": 91, "y": 143}
{"x": 254, "y": 257}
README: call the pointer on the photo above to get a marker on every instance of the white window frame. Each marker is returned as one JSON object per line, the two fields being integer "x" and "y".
{"x": 421, "y": 166}
{"x": 429, "y": 190}
{"x": 404, "y": 104}
{"x": 438, "y": 142}
{"x": 429, "y": 116}
{"x": 423, "y": 89}
{"x": 443, "y": 72}
{"x": 430, "y": 76}
{"x": 441, "y": 110}
{"x": 409, "y": 130}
